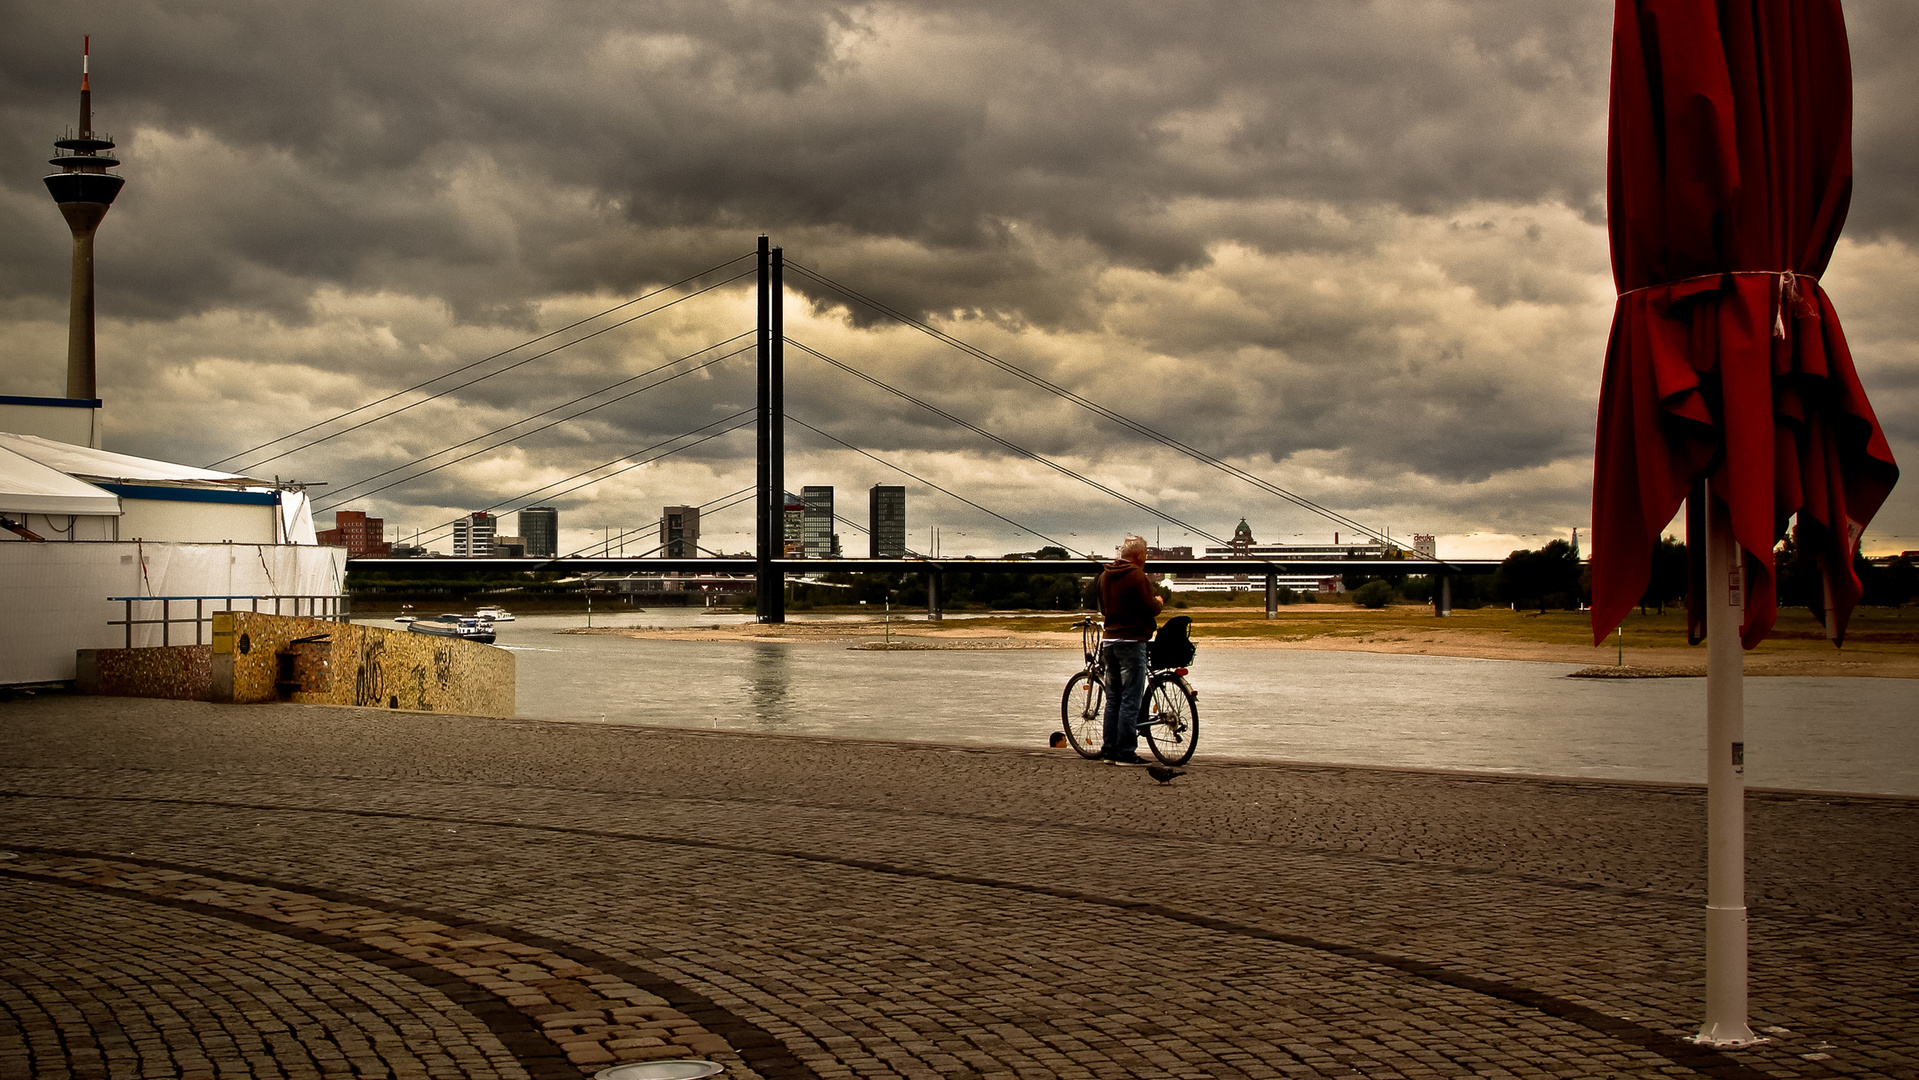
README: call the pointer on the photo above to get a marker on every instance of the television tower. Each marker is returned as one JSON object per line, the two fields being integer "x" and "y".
{"x": 84, "y": 189}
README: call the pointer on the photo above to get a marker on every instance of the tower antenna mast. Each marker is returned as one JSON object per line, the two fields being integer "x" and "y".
{"x": 85, "y": 190}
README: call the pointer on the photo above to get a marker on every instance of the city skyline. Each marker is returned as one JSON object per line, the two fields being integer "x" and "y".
{"x": 1359, "y": 252}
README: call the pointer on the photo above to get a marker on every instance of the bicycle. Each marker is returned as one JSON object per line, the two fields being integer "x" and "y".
{"x": 1169, "y": 709}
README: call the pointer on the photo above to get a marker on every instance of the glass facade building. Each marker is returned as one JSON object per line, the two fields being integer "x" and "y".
{"x": 817, "y": 523}
{"x": 886, "y": 524}
{"x": 540, "y": 527}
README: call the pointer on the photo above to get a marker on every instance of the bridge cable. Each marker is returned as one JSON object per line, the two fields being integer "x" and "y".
{"x": 1061, "y": 544}
{"x": 337, "y": 498}
{"x": 501, "y": 371}
{"x": 740, "y": 496}
{"x": 445, "y": 464}
{"x": 735, "y": 497}
{"x": 1016, "y": 448}
{"x": 752, "y": 418}
{"x": 1093, "y": 406}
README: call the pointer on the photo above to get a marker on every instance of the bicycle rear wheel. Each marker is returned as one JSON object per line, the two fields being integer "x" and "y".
{"x": 1082, "y": 713}
{"x": 1172, "y": 719}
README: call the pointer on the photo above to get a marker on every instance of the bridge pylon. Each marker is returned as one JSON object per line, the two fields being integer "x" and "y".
{"x": 770, "y": 594}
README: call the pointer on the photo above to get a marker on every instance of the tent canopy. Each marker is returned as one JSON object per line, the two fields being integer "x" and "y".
{"x": 28, "y": 487}
{"x": 104, "y": 465}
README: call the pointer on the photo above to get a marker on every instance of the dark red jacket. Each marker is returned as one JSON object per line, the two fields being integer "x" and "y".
{"x": 1127, "y": 602}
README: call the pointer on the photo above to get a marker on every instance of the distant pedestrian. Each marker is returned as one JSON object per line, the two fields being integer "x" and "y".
{"x": 1130, "y": 606}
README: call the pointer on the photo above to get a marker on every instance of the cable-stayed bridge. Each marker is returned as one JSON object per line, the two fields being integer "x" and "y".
{"x": 767, "y": 341}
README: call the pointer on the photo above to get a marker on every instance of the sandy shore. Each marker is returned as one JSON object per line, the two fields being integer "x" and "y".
{"x": 1017, "y": 633}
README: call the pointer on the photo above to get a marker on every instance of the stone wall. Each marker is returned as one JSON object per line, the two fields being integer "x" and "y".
{"x": 260, "y": 658}
{"x": 180, "y": 672}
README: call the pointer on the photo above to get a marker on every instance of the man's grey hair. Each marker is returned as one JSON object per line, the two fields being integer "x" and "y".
{"x": 1132, "y": 545}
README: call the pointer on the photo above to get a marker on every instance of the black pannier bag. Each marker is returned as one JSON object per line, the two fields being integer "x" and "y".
{"x": 1173, "y": 644}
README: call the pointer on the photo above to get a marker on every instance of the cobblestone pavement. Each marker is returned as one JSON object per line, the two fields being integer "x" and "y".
{"x": 222, "y": 891}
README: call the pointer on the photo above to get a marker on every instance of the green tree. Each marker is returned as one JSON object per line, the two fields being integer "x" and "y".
{"x": 1545, "y": 578}
{"x": 1373, "y": 594}
{"x": 1668, "y": 581}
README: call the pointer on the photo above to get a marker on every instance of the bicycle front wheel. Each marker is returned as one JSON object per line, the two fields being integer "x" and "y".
{"x": 1082, "y": 713}
{"x": 1172, "y": 719}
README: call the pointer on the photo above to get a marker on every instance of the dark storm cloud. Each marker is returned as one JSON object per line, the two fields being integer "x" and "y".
{"x": 334, "y": 132}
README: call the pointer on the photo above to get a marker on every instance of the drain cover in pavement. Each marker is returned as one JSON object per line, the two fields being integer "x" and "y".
{"x": 661, "y": 1070}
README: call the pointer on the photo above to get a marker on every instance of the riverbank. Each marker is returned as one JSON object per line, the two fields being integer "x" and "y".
{"x": 1881, "y": 642}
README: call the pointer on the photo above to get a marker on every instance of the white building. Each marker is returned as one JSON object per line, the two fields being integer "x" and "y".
{"x": 82, "y": 529}
{"x": 1243, "y": 546}
{"x": 473, "y": 534}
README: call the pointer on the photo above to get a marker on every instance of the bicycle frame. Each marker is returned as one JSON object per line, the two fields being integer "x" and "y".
{"x": 1148, "y": 721}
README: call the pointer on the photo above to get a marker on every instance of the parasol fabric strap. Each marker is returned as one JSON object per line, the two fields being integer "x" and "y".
{"x": 1789, "y": 291}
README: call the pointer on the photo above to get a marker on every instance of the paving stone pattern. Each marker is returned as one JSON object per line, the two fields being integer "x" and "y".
{"x": 305, "y": 891}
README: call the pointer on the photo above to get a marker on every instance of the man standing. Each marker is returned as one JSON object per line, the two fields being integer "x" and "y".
{"x": 1130, "y": 606}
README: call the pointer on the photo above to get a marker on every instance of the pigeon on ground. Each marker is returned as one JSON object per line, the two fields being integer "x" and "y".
{"x": 1163, "y": 774}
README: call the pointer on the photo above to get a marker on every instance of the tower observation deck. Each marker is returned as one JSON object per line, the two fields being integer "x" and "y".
{"x": 85, "y": 190}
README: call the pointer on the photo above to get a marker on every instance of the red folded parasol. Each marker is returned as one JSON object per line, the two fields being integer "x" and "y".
{"x": 1729, "y": 175}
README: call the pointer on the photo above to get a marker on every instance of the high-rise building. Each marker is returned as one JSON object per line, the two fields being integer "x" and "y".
{"x": 363, "y": 537}
{"x": 540, "y": 525}
{"x": 1425, "y": 546}
{"x": 680, "y": 532}
{"x": 886, "y": 523}
{"x": 816, "y": 527}
{"x": 473, "y": 535}
{"x": 793, "y": 528}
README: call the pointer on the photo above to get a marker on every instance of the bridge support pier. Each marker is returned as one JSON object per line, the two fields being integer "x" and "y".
{"x": 770, "y": 593}
{"x": 1443, "y": 597}
{"x": 1272, "y": 596}
{"x": 933, "y": 613}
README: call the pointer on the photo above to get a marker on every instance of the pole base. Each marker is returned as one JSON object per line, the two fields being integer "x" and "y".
{"x": 1726, "y": 1037}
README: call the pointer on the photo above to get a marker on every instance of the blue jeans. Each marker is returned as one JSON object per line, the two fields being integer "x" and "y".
{"x": 1126, "y": 667}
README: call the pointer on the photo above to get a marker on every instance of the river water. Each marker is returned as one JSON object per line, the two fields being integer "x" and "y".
{"x": 1501, "y": 716}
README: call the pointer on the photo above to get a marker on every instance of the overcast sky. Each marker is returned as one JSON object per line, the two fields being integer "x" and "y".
{"x": 1357, "y": 249}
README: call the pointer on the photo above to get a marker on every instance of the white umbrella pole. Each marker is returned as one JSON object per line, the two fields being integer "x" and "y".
{"x": 1725, "y": 1024}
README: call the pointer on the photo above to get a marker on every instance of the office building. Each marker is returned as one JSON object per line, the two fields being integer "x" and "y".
{"x": 680, "y": 532}
{"x": 793, "y": 528}
{"x": 816, "y": 528}
{"x": 540, "y": 526}
{"x": 363, "y": 537}
{"x": 886, "y": 522}
{"x": 473, "y": 535}
{"x": 509, "y": 547}
{"x": 1425, "y": 547}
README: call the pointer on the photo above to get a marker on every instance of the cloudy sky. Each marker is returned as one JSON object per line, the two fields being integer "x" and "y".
{"x": 1357, "y": 249}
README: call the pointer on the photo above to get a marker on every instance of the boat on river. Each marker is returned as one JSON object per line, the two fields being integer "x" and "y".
{"x": 464, "y": 627}
{"x": 494, "y": 613}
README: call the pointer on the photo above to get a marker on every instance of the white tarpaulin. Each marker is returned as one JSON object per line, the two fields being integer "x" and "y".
{"x": 55, "y": 596}
{"x": 296, "y": 519}
{"x": 104, "y": 465}
{"x": 30, "y": 487}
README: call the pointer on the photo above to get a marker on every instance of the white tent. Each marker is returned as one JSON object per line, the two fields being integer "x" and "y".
{"x": 108, "y": 467}
{"x": 30, "y": 487}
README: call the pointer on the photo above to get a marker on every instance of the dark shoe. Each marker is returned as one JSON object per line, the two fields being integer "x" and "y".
{"x": 1128, "y": 757}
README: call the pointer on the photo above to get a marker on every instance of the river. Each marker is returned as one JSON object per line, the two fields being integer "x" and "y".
{"x": 1498, "y": 716}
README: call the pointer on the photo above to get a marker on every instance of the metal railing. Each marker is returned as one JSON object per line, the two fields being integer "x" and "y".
{"x": 314, "y": 607}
